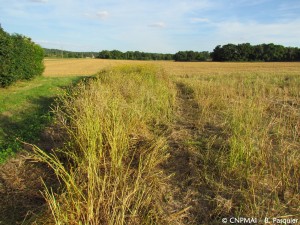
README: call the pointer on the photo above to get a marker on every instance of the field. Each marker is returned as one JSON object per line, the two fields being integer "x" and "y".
{"x": 157, "y": 142}
{"x": 71, "y": 67}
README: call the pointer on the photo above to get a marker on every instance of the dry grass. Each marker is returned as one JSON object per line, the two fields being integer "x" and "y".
{"x": 239, "y": 136}
{"x": 20, "y": 186}
{"x": 109, "y": 167}
{"x": 247, "y": 143}
{"x": 225, "y": 68}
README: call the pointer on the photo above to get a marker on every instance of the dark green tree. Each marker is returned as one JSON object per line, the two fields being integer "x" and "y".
{"x": 7, "y": 75}
{"x": 20, "y": 58}
{"x": 246, "y": 52}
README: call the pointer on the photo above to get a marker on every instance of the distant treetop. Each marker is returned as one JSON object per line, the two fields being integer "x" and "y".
{"x": 133, "y": 55}
{"x": 263, "y": 52}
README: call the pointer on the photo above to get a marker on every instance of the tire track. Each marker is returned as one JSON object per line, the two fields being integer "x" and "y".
{"x": 181, "y": 165}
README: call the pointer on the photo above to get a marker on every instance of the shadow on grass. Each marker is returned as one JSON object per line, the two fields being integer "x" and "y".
{"x": 20, "y": 176}
{"x": 26, "y": 125}
{"x": 20, "y": 189}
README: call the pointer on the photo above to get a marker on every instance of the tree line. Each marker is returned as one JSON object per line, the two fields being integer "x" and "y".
{"x": 133, "y": 55}
{"x": 57, "y": 53}
{"x": 230, "y": 52}
{"x": 250, "y": 53}
{"x": 20, "y": 58}
{"x": 191, "y": 56}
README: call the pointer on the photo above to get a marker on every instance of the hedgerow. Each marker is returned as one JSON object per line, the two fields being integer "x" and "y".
{"x": 20, "y": 58}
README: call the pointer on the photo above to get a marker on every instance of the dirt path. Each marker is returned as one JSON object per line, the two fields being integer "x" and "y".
{"x": 21, "y": 183}
{"x": 20, "y": 187}
{"x": 182, "y": 162}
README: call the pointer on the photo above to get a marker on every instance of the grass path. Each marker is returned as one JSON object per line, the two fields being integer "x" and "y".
{"x": 181, "y": 164}
{"x": 235, "y": 152}
{"x": 24, "y": 110}
{"x": 24, "y": 113}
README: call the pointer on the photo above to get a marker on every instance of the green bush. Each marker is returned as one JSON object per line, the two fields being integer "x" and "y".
{"x": 20, "y": 58}
{"x": 5, "y": 59}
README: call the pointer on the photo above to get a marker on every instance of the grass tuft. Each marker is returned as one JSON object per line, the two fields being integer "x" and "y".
{"x": 110, "y": 166}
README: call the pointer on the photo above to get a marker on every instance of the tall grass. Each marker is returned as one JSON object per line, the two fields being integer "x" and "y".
{"x": 248, "y": 156}
{"x": 244, "y": 147}
{"x": 110, "y": 165}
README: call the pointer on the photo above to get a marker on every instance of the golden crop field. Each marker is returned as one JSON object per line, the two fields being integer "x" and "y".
{"x": 70, "y": 67}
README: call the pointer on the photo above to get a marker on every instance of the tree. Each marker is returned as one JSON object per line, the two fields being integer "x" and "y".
{"x": 218, "y": 54}
{"x": 104, "y": 54}
{"x": 7, "y": 76}
{"x": 246, "y": 52}
{"x": 136, "y": 55}
{"x": 20, "y": 58}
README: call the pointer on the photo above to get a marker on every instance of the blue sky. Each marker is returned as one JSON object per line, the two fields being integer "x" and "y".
{"x": 165, "y": 26}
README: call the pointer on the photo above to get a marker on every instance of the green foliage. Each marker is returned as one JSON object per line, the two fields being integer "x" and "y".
{"x": 136, "y": 55}
{"x": 262, "y": 52}
{"x": 238, "y": 53}
{"x": 5, "y": 154}
{"x": 25, "y": 111}
{"x": 6, "y": 58}
{"x": 20, "y": 58}
{"x": 191, "y": 56}
{"x": 57, "y": 53}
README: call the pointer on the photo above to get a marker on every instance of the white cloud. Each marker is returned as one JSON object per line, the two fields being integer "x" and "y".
{"x": 200, "y": 20}
{"x": 164, "y": 26}
{"x": 158, "y": 25}
{"x": 102, "y": 14}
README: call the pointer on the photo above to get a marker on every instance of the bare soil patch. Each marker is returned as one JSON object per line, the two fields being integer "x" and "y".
{"x": 20, "y": 188}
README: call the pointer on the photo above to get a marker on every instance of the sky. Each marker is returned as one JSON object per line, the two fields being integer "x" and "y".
{"x": 162, "y": 26}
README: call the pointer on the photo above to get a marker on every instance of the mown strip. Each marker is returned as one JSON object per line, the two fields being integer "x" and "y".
{"x": 25, "y": 111}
